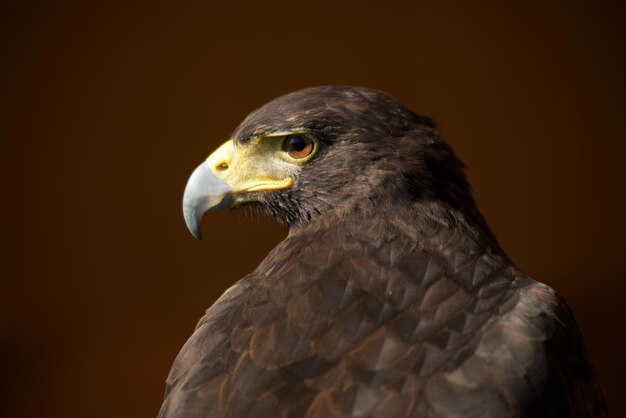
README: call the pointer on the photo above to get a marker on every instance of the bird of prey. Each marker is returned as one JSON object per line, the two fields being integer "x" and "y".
{"x": 390, "y": 296}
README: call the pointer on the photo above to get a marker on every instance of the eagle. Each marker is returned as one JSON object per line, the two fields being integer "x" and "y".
{"x": 389, "y": 297}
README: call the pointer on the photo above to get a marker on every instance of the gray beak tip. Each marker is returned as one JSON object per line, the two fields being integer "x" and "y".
{"x": 191, "y": 219}
{"x": 197, "y": 234}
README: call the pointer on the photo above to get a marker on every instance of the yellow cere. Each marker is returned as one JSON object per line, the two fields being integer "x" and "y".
{"x": 259, "y": 164}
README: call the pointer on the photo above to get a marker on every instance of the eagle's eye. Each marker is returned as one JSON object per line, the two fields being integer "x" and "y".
{"x": 298, "y": 146}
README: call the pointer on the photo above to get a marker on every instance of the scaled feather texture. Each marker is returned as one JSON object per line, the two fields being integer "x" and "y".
{"x": 390, "y": 297}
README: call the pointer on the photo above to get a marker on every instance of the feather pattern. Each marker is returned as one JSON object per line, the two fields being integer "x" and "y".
{"x": 390, "y": 297}
{"x": 383, "y": 321}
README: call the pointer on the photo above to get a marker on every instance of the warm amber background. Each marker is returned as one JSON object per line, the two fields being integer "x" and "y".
{"x": 106, "y": 110}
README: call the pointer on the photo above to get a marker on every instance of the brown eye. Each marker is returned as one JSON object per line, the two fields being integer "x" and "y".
{"x": 298, "y": 146}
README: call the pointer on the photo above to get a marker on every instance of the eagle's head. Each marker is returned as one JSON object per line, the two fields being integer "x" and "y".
{"x": 332, "y": 151}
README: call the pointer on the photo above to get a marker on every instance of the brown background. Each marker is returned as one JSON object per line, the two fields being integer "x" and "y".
{"x": 106, "y": 110}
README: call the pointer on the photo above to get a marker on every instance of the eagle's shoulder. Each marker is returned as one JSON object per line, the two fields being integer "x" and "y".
{"x": 533, "y": 357}
{"x": 330, "y": 325}
{"x": 565, "y": 378}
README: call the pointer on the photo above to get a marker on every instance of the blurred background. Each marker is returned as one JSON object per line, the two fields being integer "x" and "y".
{"x": 107, "y": 108}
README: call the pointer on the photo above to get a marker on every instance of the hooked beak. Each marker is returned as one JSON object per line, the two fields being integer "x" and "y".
{"x": 231, "y": 176}
{"x": 205, "y": 192}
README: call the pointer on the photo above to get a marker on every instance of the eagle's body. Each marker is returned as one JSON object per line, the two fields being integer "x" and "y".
{"x": 390, "y": 297}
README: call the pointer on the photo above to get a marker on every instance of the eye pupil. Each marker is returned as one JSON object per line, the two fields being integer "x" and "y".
{"x": 299, "y": 146}
{"x": 297, "y": 143}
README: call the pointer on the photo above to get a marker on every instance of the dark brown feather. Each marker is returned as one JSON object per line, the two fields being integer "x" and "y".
{"x": 389, "y": 298}
{"x": 384, "y": 327}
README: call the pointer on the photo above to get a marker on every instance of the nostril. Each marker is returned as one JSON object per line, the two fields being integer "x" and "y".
{"x": 222, "y": 166}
